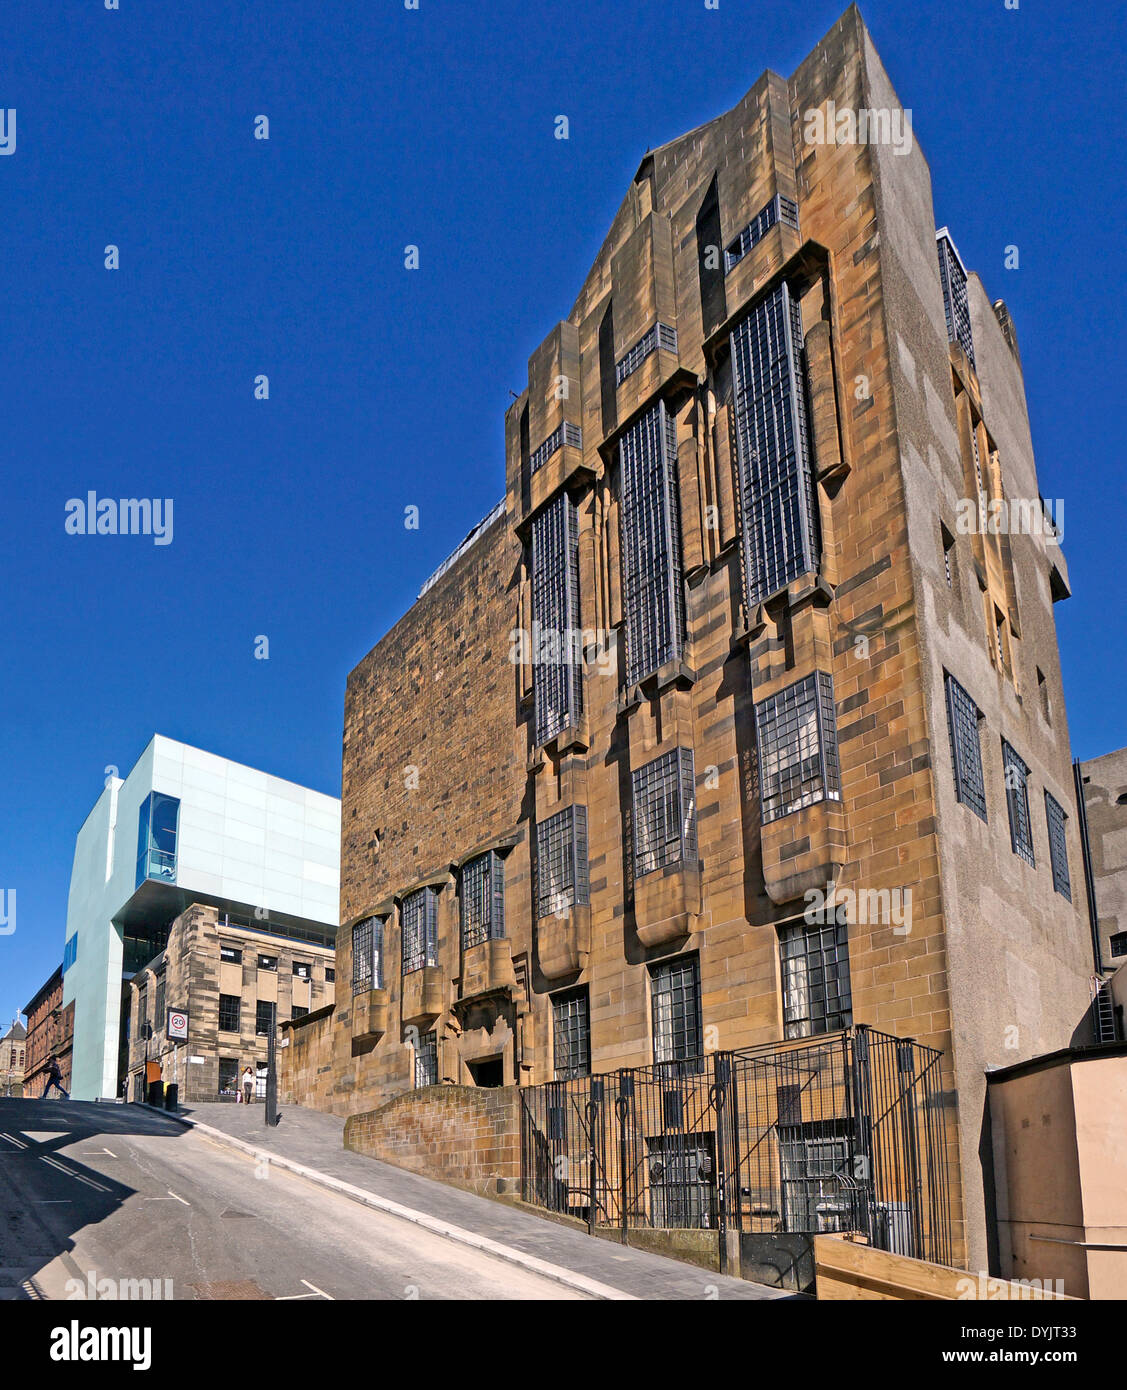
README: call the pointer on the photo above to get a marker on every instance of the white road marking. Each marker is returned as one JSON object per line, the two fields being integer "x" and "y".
{"x": 13, "y": 1140}
{"x": 79, "y": 1177}
{"x": 96, "y": 1153}
{"x": 53, "y": 1202}
{"x": 179, "y": 1199}
{"x": 315, "y": 1289}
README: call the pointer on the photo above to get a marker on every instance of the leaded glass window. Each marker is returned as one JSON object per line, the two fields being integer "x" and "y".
{"x": 419, "y": 919}
{"x": 1058, "y": 846}
{"x": 664, "y": 812}
{"x": 966, "y": 749}
{"x": 675, "y": 1001}
{"x": 367, "y": 955}
{"x": 953, "y": 277}
{"x": 483, "y": 899}
{"x": 652, "y": 585}
{"x": 571, "y": 1032}
{"x": 1017, "y": 802}
{"x": 796, "y": 735}
{"x": 815, "y": 971}
{"x": 562, "y": 877}
{"x": 777, "y": 507}
{"x": 557, "y": 684}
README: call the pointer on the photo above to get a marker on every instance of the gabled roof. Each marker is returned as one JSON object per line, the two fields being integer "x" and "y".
{"x": 16, "y": 1033}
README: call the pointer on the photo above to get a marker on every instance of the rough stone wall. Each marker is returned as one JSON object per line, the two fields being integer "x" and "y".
{"x": 1105, "y": 783}
{"x": 462, "y": 1135}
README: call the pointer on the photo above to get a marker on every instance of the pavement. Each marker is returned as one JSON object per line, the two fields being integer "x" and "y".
{"x": 310, "y": 1143}
{"x": 113, "y": 1201}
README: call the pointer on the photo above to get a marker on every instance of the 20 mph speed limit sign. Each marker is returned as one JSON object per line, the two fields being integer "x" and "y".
{"x": 177, "y": 1024}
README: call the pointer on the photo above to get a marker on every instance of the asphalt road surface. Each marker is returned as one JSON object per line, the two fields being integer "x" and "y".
{"x": 111, "y": 1192}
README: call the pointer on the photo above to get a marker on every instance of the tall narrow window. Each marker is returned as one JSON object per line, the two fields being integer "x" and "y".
{"x": 953, "y": 278}
{"x": 159, "y": 1019}
{"x": 571, "y": 1034}
{"x": 483, "y": 899}
{"x": 263, "y": 1017}
{"x": 779, "y": 209}
{"x": 1043, "y": 696}
{"x": 796, "y": 735}
{"x": 229, "y": 1009}
{"x": 777, "y": 507}
{"x": 557, "y": 684}
{"x": 156, "y": 838}
{"x": 652, "y": 586}
{"x": 1000, "y": 639}
{"x": 1017, "y": 802}
{"x": 419, "y": 917}
{"x": 677, "y": 1025}
{"x": 562, "y": 876}
{"x": 948, "y": 542}
{"x": 1058, "y": 846}
{"x": 664, "y": 807}
{"x": 966, "y": 747}
{"x": 426, "y": 1060}
{"x": 367, "y": 955}
{"x": 815, "y": 970}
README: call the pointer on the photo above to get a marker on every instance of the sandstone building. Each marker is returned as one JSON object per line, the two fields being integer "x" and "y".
{"x": 13, "y": 1046}
{"x": 233, "y": 979}
{"x": 729, "y": 649}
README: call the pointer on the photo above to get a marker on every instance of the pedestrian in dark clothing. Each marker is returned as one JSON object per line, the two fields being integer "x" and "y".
{"x": 54, "y": 1078}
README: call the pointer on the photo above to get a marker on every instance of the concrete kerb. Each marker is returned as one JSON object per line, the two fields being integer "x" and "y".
{"x": 557, "y": 1273}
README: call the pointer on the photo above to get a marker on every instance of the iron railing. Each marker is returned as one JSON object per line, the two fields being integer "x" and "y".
{"x": 839, "y": 1133}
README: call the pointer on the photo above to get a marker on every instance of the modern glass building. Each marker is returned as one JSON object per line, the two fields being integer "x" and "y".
{"x": 185, "y": 826}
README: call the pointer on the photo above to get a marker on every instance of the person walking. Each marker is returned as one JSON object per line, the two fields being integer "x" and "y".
{"x": 248, "y": 1085}
{"x": 54, "y": 1078}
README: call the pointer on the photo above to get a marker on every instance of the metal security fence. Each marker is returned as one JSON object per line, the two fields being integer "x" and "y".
{"x": 838, "y": 1133}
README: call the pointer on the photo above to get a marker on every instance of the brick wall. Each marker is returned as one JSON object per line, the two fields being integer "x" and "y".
{"x": 459, "y": 1134}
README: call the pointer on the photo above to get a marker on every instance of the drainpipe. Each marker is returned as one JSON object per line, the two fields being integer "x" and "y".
{"x": 1086, "y": 853}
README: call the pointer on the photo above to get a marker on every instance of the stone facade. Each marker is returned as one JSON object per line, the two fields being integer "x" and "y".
{"x": 50, "y": 1029}
{"x": 13, "y": 1049}
{"x": 196, "y": 977}
{"x": 1104, "y": 781}
{"x": 465, "y": 1136}
{"x": 445, "y": 752}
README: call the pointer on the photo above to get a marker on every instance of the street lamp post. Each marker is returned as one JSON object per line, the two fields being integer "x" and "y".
{"x": 272, "y": 1117}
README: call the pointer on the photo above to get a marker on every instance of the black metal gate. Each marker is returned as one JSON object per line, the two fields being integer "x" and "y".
{"x": 838, "y": 1133}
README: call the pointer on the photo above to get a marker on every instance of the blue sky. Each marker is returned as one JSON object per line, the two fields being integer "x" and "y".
{"x": 387, "y": 387}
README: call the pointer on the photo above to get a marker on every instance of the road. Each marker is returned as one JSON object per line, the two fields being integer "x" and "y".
{"x": 110, "y": 1192}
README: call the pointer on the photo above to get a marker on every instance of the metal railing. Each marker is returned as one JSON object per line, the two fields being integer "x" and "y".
{"x": 839, "y": 1133}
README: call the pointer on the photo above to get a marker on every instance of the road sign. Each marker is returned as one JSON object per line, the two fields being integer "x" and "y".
{"x": 177, "y": 1024}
